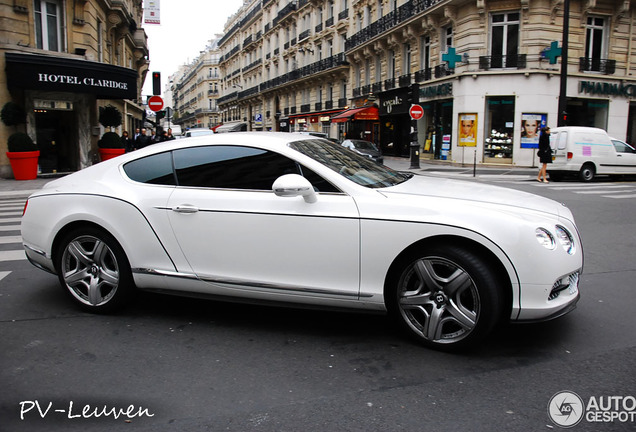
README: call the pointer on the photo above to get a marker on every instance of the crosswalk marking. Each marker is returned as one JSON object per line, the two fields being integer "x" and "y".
{"x": 10, "y": 239}
{"x": 11, "y": 207}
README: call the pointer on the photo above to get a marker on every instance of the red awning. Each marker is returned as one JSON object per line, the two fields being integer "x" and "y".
{"x": 364, "y": 113}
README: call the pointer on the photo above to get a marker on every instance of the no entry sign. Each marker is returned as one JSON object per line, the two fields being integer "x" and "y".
{"x": 416, "y": 112}
{"x": 155, "y": 103}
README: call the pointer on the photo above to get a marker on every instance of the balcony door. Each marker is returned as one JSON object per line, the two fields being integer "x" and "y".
{"x": 504, "y": 39}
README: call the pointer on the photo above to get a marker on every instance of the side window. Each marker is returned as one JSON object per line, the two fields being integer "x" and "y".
{"x": 622, "y": 147}
{"x": 155, "y": 169}
{"x": 230, "y": 167}
{"x": 236, "y": 167}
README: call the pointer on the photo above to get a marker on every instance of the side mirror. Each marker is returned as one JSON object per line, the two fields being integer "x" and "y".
{"x": 293, "y": 185}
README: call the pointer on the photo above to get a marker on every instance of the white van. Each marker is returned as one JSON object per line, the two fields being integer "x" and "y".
{"x": 586, "y": 152}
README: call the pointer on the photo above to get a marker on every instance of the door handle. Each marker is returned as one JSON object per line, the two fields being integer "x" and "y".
{"x": 185, "y": 209}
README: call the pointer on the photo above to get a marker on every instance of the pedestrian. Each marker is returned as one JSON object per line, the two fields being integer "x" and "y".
{"x": 170, "y": 136}
{"x": 137, "y": 133}
{"x": 143, "y": 140}
{"x": 127, "y": 142}
{"x": 545, "y": 154}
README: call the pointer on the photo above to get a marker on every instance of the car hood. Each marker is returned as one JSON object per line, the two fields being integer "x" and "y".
{"x": 477, "y": 193}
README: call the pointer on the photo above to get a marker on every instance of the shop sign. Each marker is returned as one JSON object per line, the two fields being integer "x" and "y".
{"x": 607, "y": 89}
{"x": 38, "y": 72}
{"x": 324, "y": 118}
{"x": 436, "y": 91}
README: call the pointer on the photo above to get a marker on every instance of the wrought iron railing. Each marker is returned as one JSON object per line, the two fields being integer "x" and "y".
{"x": 605, "y": 66}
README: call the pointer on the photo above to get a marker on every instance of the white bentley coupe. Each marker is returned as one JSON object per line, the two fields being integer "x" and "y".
{"x": 290, "y": 218}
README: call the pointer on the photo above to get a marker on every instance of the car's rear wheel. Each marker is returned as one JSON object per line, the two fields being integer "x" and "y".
{"x": 93, "y": 268}
{"x": 447, "y": 297}
{"x": 587, "y": 172}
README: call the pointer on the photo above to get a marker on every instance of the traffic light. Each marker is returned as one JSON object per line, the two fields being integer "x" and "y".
{"x": 160, "y": 115}
{"x": 156, "y": 83}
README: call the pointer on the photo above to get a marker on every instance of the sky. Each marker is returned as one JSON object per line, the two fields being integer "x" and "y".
{"x": 186, "y": 27}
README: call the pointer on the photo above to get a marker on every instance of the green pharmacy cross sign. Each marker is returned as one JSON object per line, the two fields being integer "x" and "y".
{"x": 451, "y": 57}
{"x": 553, "y": 52}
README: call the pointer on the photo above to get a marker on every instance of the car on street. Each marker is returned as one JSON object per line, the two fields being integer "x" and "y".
{"x": 288, "y": 218}
{"x": 364, "y": 148}
{"x": 197, "y": 132}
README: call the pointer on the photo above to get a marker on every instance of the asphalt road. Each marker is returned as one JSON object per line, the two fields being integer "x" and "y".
{"x": 180, "y": 364}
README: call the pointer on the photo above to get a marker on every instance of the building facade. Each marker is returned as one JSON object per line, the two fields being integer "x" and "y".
{"x": 196, "y": 88}
{"x": 486, "y": 73}
{"x": 61, "y": 61}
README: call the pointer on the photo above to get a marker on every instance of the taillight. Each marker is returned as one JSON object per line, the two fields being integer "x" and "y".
{"x": 25, "y": 206}
{"x": 570, "y": 155}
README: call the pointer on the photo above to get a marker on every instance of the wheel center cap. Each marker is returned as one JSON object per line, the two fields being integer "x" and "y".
{"x": 94, "y": 270}
{"x": 439, "y": 299}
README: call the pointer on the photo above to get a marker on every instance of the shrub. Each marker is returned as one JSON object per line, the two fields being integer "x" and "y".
{"x": 12, "y": 114}
{"x": 21, "y": 142}
{"x": 109, "y": 116}
{"x": 110, "y": 140}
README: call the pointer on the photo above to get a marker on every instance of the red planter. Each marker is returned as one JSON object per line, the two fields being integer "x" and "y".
{"x": 24, "y": 164}
{"x": 109, "y": 153}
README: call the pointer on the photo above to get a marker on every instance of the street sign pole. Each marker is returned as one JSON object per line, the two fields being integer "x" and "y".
{"x": 416, "y": 113}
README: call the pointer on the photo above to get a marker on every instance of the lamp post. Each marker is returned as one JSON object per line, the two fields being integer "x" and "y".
{"x": 563, "y": 97}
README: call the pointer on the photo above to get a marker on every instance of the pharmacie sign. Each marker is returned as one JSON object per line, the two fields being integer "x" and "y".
{"x": 607, "y": 89}
{"x": 46, "y": 73}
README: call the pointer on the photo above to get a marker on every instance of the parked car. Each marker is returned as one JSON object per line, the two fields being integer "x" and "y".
{"x": 286, "y": 218}
{"x": 198, "y": 132}
{"x": 587, "y": 152}
{"x": 364, "y": 148}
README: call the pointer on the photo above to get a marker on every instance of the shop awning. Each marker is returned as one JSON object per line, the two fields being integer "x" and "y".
{"x": 364, "y": 113}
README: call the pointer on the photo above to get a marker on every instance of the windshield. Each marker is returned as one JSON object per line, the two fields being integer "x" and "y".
{"x": 364, "y": 145}
{"x": 356, "y": 168}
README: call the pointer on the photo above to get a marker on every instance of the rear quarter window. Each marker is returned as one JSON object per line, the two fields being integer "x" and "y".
{"x": 155, "y": 169}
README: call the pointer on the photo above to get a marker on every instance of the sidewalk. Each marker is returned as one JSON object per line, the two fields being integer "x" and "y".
{"x": 448, "y": 169}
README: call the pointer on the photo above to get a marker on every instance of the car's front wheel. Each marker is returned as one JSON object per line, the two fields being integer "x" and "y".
{"x": 448, "y": 297}
{"x": 94, "y": 270}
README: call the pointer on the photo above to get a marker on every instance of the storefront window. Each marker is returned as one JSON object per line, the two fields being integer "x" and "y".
{"x": 500, "y": 112}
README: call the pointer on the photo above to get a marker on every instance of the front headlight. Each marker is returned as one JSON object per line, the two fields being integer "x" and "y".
{"x": 565, "y": 238}
{"x": 544, "y": 238}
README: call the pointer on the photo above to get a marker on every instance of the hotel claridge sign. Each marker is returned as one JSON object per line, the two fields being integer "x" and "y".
{"x": 346, "y": 68}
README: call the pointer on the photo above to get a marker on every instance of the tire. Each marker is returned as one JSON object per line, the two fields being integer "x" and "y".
{"x": 447, "y": 297}
{"x": 94, "y": 270}
{"x": 587, "y": 172}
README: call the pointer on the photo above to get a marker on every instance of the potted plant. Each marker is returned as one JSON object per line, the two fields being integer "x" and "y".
{"x": 110, "y": 145}
{"x": 22, "y": 152}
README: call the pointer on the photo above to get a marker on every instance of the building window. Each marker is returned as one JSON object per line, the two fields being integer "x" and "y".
{"x": 390, "y": 64}
{"x": 504, "y": 40}
{"x": 378, "y": 69}
{"x": 425, "y": 53}
{"x": 406, "y": 67}
{"x": 595, "y": 36}
{"x": 447, "y": 38}
{"x": 48, "y": 24}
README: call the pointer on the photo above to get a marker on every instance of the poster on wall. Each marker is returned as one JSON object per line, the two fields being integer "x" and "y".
{"x": 151, "y": 12}
{"x": 531, "y": 125}
{"x": 468, "y": 130}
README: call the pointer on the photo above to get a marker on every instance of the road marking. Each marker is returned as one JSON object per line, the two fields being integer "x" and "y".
{"x": 604, "y": 191}
{"x": 619, "y": 196}
{"x": 12, "y": 220}
{"x": 12, "y": 255}
{"x": 4, "y": 274}
{"x": 9, "y": 227}
{"x": 10, "y": 239}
